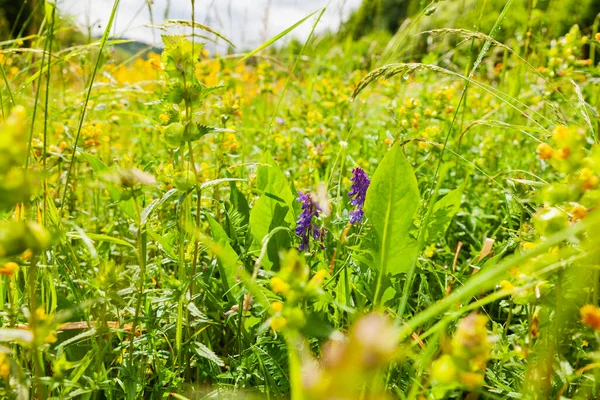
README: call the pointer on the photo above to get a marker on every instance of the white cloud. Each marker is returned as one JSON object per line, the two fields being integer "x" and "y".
{"x": 246, "y": 22}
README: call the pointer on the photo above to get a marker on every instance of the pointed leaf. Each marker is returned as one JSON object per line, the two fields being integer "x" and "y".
{"x": 391, "y": 203}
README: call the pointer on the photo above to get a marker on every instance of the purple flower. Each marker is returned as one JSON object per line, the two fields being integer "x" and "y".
{"x": 305, "y": 226}
{"x": 358, "y": 193}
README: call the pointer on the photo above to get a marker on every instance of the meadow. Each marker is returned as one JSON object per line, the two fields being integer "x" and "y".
{"x": 395, "y": 216}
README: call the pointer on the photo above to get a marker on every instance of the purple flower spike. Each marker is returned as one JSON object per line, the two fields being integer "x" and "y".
{"x": 358, "y": 193}
{"x": 305, "y": 227}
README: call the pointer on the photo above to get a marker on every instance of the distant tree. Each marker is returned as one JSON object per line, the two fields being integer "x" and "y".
{"x": 557, "y": 16}
{"x": 380, "y": 14}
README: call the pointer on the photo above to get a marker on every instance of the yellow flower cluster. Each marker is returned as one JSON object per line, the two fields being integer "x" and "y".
{"x": 464, "y": 362}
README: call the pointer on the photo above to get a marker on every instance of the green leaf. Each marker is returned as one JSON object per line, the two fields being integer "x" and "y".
{"x": 98, "y": 167}
{"x": 220, "y": 237}
{"x": 149, "y": 209}
{"x": 163, "y": 242}
{"x": 391, "y": 203}
{"x": 238, "y": 200}
{"x": 96, "y": 237}
{"x": 207, "y": 353}
{"x": 443, "y": 211}
{"x": 266, "y": 215}
{"x": 272, "y": 181}
{"x": 16, "y": 335}
{"x": 175, "y": 93}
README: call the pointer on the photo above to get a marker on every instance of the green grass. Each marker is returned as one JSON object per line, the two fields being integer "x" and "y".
{"x": 150, "y": 227}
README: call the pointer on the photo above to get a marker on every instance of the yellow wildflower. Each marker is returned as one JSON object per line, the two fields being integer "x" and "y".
{"x": 9, "y": 269}
{"x": 588, "y": 179}
{"x": 590, "y": 316}
{"x": 279, "y": 286}
{"x": 4, "y": 365}
{"x": 578, "y": 212}
{"x": 544, "y": 151}
{"x": 278, "y": 323}
{"x": 277, "y": 306}
{"x": 560, "y": 133}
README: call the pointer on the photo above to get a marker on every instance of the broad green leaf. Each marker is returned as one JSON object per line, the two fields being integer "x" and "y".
{"x": 272, "y": 181}
{"x": 391, "y": 203}
{"x": 266, "y": 215}
{"x": 220, "y": 237}
{"x": 443, "y": 211}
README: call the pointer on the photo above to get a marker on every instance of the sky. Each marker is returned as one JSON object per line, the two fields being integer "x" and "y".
{"x": 247, "y": 23}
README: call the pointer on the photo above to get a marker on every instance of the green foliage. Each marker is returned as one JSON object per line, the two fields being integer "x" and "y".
{"x": 391, "y": 205}
{"x": 152, "y": 212}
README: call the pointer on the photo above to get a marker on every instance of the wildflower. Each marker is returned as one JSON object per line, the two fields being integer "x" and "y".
{"x": 277, "y": 306}
{"x": 305, "y": 227}
{"x": 544, "y": 151}
{"x": 4, "y": 365}
{"x": 358, "y": 193}
{"x": 128, "y": 178}
{"x": 507, "y": 286}
{"x": 564, "y": 152}
{"x": 375, "y": 339}
{"x": 279, "y": 285}
{"x": 588, "y": 179}
{"x": 278, "y": 323}
{"x": 471, "y": 380}
{"x": 155, "y": 64}
{"x": 9, "y": 269}
{"x": 443, "y": 370}
{"x": 590, "y": 316}
{"x": 318, "y": 278}
{"x": 578, "y": 212}
{"x": 471, "y": 340}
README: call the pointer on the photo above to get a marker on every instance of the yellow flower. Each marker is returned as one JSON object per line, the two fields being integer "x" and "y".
{"x": 4, "y": 365}
{"x": 588, "y": 179}
{"x": 507, "y": 286}
{"x": 590, "y": 316}
{"x": 578, "y": 212}
{"x": 318, "y": 277}
{"x": 443, "y": 370}
{"x": 472, "y": 380}
{"x": 50, "y": 338}
{"x": 279, "y": 286}
{"x": 9, "y": 269}
{"x": 278, "y": 323}
{"x": 164, "y": 118}
{"x": 564, "y": 153}
{"x": 527, "y": 245}
{"x": 544, "y": 151}
{"x": 155, "y": 64}
{"x": 560, "y": 133}
{"x": 277, "y": 306}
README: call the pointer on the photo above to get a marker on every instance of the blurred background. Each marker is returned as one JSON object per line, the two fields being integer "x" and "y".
{"x": 248, "y": 23}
